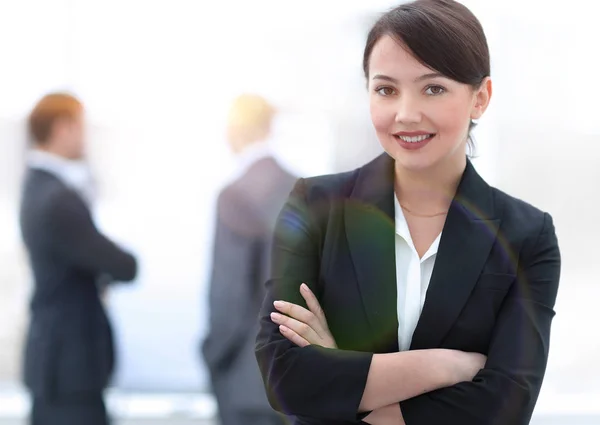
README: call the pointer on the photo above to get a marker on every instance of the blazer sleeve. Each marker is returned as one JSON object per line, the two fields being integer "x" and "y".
{"x": 506, "y": 390}
{"x": 71, "y": 232}
{"x": 312, "y": 381}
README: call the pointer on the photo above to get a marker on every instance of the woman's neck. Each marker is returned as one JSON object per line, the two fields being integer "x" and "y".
{"x": 429, "y": 191}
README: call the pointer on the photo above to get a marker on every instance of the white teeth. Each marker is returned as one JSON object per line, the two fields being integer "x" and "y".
{"x": 415, "y": 139}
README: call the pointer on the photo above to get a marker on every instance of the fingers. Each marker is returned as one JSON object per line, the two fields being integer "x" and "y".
{"x": 313, "y": 303}
{"x": 297, "y": 312}
{"x": 301, "y": 329}
{"x": 311, "y": 324}
{"x": 293, "y": 336}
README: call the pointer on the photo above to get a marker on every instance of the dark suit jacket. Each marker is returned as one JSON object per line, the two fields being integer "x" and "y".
{"x": 247, "y": 211}
{"x": 492, "y": 291}
{"x": 69, "y": 347}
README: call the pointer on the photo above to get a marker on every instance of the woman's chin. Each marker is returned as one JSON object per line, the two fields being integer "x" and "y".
{"x": 425, "y": 160}
{"x": 414, "y": 163}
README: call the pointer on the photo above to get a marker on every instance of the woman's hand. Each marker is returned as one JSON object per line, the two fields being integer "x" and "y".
{"x": 301, "y": 326}
{"x": 464, "y": 366}
{"x": 389, "y": 415}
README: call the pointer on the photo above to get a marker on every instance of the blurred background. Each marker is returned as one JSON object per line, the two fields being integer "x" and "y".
{"x": 157, "y": 78}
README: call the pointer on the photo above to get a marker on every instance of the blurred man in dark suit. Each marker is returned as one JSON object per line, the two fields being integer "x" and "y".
{"x": 246, "y": 213}
{"x": 69, "y": 349}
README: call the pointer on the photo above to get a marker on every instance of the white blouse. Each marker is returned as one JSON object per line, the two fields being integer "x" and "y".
{"x": 412, "y": 278}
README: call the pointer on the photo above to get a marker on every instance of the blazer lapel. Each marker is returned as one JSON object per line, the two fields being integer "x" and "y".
{"x": 370, "y": 230}
{"x": 467, "y": 239}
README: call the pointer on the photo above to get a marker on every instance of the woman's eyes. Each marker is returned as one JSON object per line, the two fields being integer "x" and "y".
{"x": 433, "y": 90}
{"x": 385, "y": 91}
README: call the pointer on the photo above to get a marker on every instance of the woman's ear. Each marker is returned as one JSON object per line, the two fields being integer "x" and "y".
{"x": 482, "y": 98}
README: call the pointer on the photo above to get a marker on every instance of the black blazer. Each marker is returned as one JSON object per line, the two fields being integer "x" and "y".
{"x": 69, "y": 347}
{"x": 247, "y": 210}
{"x": 492, "y": 291}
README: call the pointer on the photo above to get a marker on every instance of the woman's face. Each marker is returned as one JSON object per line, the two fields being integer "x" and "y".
{"x": 421, "y": 117}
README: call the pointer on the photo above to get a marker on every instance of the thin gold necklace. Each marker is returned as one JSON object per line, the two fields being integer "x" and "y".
{"x": 423, "y": 215}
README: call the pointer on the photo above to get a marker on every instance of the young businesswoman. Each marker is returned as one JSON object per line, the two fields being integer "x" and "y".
{"x": 428, "y": 294}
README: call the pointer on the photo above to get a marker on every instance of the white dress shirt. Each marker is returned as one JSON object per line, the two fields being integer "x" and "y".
{"x": 412, "y": 278}
{"x": 73, "y": 173}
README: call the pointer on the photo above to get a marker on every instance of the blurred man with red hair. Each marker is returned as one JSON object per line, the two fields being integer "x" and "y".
{"x": 69, "y": 348}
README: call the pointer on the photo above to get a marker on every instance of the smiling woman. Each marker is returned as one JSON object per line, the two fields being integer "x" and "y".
{"x": 428, "y": 294}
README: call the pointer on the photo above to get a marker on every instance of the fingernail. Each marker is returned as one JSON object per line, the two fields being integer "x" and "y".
{"x": 304, "y": 287}
{"x": 283, "y": 329}
{"x": 275, "y": 316}
{"x": 278, "y": 304}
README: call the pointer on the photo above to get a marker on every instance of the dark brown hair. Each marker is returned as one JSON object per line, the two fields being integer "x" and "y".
{"x": 50, "y": 109}
{"x": 443, "y": 35}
